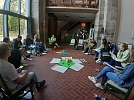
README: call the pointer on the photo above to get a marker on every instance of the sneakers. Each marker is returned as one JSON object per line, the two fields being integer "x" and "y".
{"x": 83, "y": 51}
{"x": 44, "y": 51}
{"x": 29, "y": 58}
{"x": 98, "y": 61}
{"x": 40, "y": 84}
{"x": 99, "y": 86}
{"x": 93, "y": 79}
{"x": 86, "y": 53}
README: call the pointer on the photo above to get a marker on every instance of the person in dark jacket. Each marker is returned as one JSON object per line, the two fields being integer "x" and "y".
{"x": 17, "y": 42}
{"x": 15, "y": 58}
{"x": 123, "y": 78}
{"x": 104, "y": 49}
{"x": 28, "y": 42}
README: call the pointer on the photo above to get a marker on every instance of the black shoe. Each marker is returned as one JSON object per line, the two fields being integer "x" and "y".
{"x": 42, "y": 83}
{"x": 96, "y": 58}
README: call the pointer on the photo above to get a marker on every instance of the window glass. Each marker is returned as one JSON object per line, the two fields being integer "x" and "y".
{"x": 13, "y": 27}
{"x": 2, "y": 4}
{"x": 1, "y": 36}
{"x": 23, "y": 28}
{"x": 24, "y": 7}
{"x": 14, "y": 6}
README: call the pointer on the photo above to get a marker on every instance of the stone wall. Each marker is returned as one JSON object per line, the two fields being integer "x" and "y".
{"x": 35, "y": 16}
{"x": 39, "y": 19}
{"x": 105, "y": 21}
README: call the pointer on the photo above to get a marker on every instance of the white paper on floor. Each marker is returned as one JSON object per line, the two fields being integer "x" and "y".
{"x": 63, "y": 58}
{"x": 77, "y": 67}
{"x": 76, "y": 61}
{"x": 55, "y": 60}
{"x": 59, "y": 68}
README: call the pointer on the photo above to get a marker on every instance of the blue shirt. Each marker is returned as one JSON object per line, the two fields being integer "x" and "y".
{"x": 126, "y": 77}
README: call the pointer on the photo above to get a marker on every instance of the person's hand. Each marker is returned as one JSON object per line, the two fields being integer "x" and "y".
{"x": 26, "y": 72}
{"x": 115, "y": 70}
{"x": 19, "y": 70}
{"x": 40, "y": 42}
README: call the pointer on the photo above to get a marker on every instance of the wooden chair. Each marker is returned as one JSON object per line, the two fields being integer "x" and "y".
{"x": 116, "y": 88}
{"x": 72, "y": 42}
{"x": 91, "y": 3}
{"x": 79, "y": 3}
{"x": 52, "y": 2}
{"x": 66, "y": 2}
{"x": 13, "y": 95}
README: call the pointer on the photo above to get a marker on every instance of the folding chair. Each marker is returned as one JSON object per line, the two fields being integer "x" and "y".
{"x": 66, "y": 2}
{"x": 116, "y": 88}
{"x": 91, "y": 3}
{"x": 72, "y": 42}
{"x": 79, "y": 3}
{"x": 53, "y": 2}
{"x": 13, "y": 95}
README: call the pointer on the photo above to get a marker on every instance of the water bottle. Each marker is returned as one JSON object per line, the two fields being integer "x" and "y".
{"x": 103, "y": 96}
{"x": 96, "y": 97}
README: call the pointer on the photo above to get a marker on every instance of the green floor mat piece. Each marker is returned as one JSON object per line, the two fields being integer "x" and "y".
{"x": 67, "y": 65}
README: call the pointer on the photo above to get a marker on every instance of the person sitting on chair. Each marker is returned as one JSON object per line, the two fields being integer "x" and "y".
{"x": 17, "y": 42}
{"x": 91, "y": 45}
{"x": 53, "y": 41}
{"x": 28, "y": 42}
{"x": 123, "y": 78}
{"x": 104, "y": 49}
{"x": 39, "y": 46}
{"x": 15, "y": 78}
{"x": 7, "y": 40}
{"x": 122, "y": 56}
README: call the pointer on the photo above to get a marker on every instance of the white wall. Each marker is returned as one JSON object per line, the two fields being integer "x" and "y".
{"x": 126, "y": 21}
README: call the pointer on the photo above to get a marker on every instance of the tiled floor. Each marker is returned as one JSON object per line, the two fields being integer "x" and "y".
{"x": 71, "y": 85}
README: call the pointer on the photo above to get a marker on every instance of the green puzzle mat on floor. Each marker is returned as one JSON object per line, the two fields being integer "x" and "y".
{"x": 67, "y": 65}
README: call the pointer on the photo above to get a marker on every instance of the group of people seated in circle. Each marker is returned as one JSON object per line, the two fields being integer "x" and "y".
{"x": 123, "y": 75}
{"x": 12, "y": 60}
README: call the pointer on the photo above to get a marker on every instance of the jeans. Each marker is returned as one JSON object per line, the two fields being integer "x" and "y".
{"x": 102, "y": 53}
{"x": 103, "y": 74}
{"x": 31, "y": 76}
{"x": 116, "y": 63}
{"x": 112, "y": 76}
{"x": 38, "y": 46}
{"x": 86, "y": 50}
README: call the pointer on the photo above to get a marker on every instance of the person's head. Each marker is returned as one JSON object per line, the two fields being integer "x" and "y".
{"x": 36, "y": 36}
{"x": 4, "y": 50}
{"x": 19, "y": 38}
{"x": 131, "y": 58}
{"x": 52, "y": 35}
{"x": 6, "y": 39}
{"x": 123, "y": 46}
{"x": 104, "y": 41}
{"x": 27, "y": 36}
{"x": 22, "y": 51}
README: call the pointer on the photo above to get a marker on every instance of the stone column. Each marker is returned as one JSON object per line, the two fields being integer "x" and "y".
{"x": 111, "y": 19}
{"x": 39, "y": 19}
{"x": 99, "y": 19}
{"x": 35, "y": 16}
{"x": 105, "y": 21}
